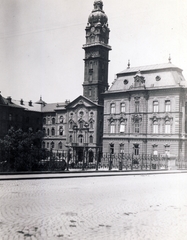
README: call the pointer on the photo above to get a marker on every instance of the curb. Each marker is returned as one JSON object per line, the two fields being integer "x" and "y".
{"x": 61, "y": 175}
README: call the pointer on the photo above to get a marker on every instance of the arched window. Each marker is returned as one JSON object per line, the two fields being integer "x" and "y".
{"x": 155, "y": 127}
{"x": 80, "y": 138}
{"x": 53, "y": 120}
{"x": 112, "y": 108}
{"x": 91, "y": 139}
{"x": 70, "y": 138}
{"x": 167, "y": 127}
{"x": 122, "y": 127}
{"x": 48, "y": 131}
{"x": 52, "y": 144}
{"x": 61, "y": 131}
{"x": 60, "y": 145}
{"x": 91, "y": 124}
{"x": 122, "y": 107}
{"x": 61, "y": 119}
{"x": 52, "y": 131}
{"x": 71, "y": 124}
{"x": 81, "y": 124}
{"x": 112, "y": 127}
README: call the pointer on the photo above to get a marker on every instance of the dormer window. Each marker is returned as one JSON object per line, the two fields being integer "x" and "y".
{"x": 139, "y": 80}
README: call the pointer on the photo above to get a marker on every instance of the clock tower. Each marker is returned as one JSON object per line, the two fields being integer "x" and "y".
{"x": 96, "y": 54}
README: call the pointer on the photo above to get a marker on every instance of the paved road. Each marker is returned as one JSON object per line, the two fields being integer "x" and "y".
{"x": 138, "y": 207}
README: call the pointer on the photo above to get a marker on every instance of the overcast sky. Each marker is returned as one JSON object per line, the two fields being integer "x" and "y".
{"x": 41, "y": 42}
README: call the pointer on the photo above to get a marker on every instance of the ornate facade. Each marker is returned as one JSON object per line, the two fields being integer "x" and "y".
{"x": 145, "y": 112}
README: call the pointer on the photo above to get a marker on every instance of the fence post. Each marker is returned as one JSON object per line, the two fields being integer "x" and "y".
{"x": 110, "y": 162}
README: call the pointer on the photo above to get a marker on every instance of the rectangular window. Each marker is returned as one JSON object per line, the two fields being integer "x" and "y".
{"x": 167, "y": 106}
{"x": 111, "y": 148}
{"x": 122, "y": 107}
{"x": 112, "y": 108}
{"x": 122, "y": 127}
{"x": 137, "y": 127}
{"x": 136, "y": 149}
{"x": 155, "y": 128}
{"x": 155, "y": 106}
{"x": 121, "y": 148}
{"x": 112, "y": 128}
{"x": 167, "y": 127}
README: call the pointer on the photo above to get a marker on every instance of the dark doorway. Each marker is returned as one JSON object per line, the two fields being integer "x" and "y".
{"x": 80, "y": 154}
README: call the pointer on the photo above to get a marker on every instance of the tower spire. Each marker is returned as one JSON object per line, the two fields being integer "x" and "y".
{"x": 169, "y": 59}
{"x": 96, "y": 54}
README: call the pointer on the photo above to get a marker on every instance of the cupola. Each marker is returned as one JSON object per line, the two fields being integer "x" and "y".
{"x": 97, "y": 15}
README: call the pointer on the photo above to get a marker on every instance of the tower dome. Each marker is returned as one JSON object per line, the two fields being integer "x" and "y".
{"x": 97, "y": 15}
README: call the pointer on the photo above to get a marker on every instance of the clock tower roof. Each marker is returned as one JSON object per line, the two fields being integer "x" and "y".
{"x": 97, "y": 15}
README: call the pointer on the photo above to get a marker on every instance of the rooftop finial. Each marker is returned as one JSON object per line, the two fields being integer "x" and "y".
{"x": 169, "y": 59}
{"x": 128, "y": 65}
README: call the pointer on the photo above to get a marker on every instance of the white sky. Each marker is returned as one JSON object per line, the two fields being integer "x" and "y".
{"x": 41, "y": 42}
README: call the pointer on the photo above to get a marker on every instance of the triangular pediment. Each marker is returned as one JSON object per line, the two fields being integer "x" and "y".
{"x": 81, "y": 101}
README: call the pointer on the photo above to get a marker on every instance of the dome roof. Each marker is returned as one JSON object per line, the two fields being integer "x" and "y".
{"x": 98, "y": 15}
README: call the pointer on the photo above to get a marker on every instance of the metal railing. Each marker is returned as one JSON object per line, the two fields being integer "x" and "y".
{"x": 93, "y": 160}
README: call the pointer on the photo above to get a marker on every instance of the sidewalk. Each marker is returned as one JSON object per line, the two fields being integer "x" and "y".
{"x": 82, "y": 174}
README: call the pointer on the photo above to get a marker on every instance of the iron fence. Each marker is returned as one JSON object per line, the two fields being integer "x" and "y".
{"x": 65, "y": 160}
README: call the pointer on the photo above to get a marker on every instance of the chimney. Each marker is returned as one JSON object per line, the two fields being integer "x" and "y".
{"x": 9, "y": 99}
{"x": 30, "y": 103}
{"x": 21, "y": 101}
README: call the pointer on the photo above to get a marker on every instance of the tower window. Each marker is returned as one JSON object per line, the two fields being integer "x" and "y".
{"x": 90, "y": 77}
{"x": 136, "y": 127}
{"x": 137, "y": 104}
{"x": 90, "y": 92}
{"x": 91, "y": 139}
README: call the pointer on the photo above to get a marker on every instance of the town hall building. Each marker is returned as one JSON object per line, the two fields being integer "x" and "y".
{"x": 144, "y": 111}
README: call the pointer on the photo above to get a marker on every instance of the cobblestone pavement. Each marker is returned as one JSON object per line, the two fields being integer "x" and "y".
{"x": 113, "y": 208}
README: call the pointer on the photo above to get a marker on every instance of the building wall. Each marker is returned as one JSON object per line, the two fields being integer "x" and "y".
{"x": 150, "y": 139}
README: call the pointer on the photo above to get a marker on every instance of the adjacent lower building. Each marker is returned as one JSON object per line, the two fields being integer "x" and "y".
{"x": 145, "y": 112}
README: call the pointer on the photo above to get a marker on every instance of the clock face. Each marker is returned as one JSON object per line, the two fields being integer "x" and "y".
{"x": 92, "y": 29}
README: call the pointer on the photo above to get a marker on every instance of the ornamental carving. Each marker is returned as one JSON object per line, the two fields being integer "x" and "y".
{"x": 137, "y": 118}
